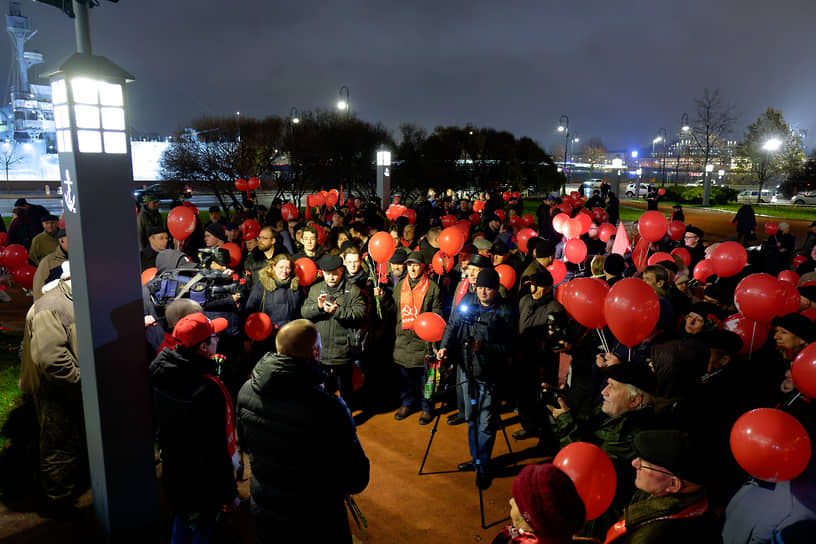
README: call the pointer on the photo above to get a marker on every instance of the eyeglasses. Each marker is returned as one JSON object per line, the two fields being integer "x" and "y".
{"x": 639, "y": 465}
{"x": 690, "y": 236}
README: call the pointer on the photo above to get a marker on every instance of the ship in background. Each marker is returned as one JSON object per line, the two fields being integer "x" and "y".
{"x": 28, "y": 137}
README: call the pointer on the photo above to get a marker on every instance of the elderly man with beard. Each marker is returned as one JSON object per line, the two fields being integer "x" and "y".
{"x": 414, "y": 294}
{"x": 482, "y": 333}
{"x": 335, "y": 306}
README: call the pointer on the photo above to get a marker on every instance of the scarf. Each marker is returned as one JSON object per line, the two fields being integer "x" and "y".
{"x": 411, "y": 300}
{"x": 464, "y": 286}
{"x": 235, "y": 457}
{"x": 694, "y": 511}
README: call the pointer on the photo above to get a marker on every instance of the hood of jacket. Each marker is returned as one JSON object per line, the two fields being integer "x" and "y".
{"x": 170, "y": 259}
{"x": 270, "y": 284}
{"x": 285, "y": 373}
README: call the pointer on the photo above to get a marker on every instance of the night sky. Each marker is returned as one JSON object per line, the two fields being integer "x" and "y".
{"x": 620, "y": 70}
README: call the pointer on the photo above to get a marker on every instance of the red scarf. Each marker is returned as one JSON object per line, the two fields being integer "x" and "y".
{"x": 411, "y": 300}
{"x": 464, "y": 285}
{"x": 694, "y": 511}
{"x": 235, "y": 457}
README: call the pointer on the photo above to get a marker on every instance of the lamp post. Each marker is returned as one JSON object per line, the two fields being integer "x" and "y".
{"x": 563, "y": 126}
{"x": 293, "y": 116}
{"x": 770, "y": 146}
{"x": 617, "y": 164}
{"x": 681, "y": 144}
{"x": 238, "y": 125}
{"x": 344, "y": 104}
{"x": 96, "y": 173}
{"x": 664, "y": 139}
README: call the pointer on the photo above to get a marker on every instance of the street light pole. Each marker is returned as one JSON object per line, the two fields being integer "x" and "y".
{"x": 563, "y": 126}
{"x": 665, "y": 141}
{"x": 238, "y": 125}
{"x": 684, "y": 128}
{"x": 344, "y": 104}
{"x": 770, "y": 146}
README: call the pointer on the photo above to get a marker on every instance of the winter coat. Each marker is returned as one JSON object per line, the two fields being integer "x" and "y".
{"x": 144, "y": 221}
{"x": 334, "y": 328}
{"x": 483, "y": 336}
{"x": 280, "y": 301}
{"x": 45, "y": 269}
{"x": 42, "y": 245}
{"x": 648, "y": 519}
{"x": 410, "y": 349}
{"x": 190, "y": 414}
{"x": 303, "y": 448}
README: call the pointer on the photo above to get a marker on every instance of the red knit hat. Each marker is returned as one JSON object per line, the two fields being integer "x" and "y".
{"x": 548, "y": 501}
{"x": 193, "y": 329}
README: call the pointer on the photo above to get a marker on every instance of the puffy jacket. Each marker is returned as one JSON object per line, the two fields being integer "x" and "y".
{"x": 190, "y": 414}
{"x": 334, "y": 328}
{"x": 280, "y": 301}
{"x": 303, "y": 447}
{"x": 410, "y": 349}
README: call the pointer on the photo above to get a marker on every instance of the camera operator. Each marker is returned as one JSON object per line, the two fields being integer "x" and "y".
{"x": 538, "y": 311}
{"x": 483, "y": 335}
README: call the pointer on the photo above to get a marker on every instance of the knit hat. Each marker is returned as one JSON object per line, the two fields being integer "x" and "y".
{"x": 398, "y": 257}
{"x": 499, "y": 248}
{"x": 329, "y": 262}
{"x": 155, "y": 230}
{"x": 217, "y": 230}
{"x": 721, "y": 339}
{"x": 613, "y": 264}
{"x": 488, "y": 278}
{"x": 482, "y": 244}
{"x": 20, "y": 202}
{"x": 542, "y": 278}
{"x": 796, "y": 324}
{"x": 548, "y": 502}
{"x": 695, "y": 230}
{"x": 195, "y": 328}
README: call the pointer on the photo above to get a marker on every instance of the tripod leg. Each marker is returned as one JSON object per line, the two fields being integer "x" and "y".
{"x": 507, "y": 440}
{"x": 430, "y": 441}
{"x": 481, "y": 507}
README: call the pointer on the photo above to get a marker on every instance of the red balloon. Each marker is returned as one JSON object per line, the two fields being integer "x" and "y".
{"x": 631, "y": 309}
{"x": 501, "y": 215}
{"x": 770, "y": 445}
{"x": 565, "y": 208}
{"x": 258, "y": 326}
{"x": 558, "y": 222}
{"x": 788, "y": 276}
{"x": 516, "y": 195}
{"x": 478, "y": 206}
{"x": 592, "y": 473}
{"x": 523, "y": 238}
{"x": 15, "y": 256}
{"x": 759, "y": 297}
{"x": 181, "y": 222}
{"x": 506, "y": 195}
{"x": 515, "y": 221}
{"x": 528, "y": 220}
{"x": 24, "y": 275}
{"x": 703, "y": 270}
{"x": 148, "y": 274}
{"x": 790, "y": 299}
{"x": 475, "y": 219}
{"x": 290, "y": 212}
{"x": 728, "y": 259}
{"x": 684, "y": 254}
{"x": 606, "y": 231}
{"x": 235, "y": 253}
{"x": 753, "y": 333}
{"x": 253, "y": 183}
{"x": 464, "y": 226}
{"x": 447, "y": 221}
{"x": 241, "y": 184}
{"x": 306, "y": 270}
{"x": 250, "y": 229}
{"x": 442, "y": 264}
{"x": 659, "y": 257}
{"x": 507, "y": 275}
{"x": 661, "y": 191}
{"x": 429, "y": 326}
{"x": 61, "y": 224}
{"x": 318, "y": 199}
{"x": 575, "y": 250}
{"x": 652, "y": 225}
{"x": 333, "y": 197}
{"x": 381, "y": 247}
{"x": 451, "y": 241}
{"x": 558, "y": 270}
{"x": 804, "y": 371}
{"x": 771, "y": 228}
{"x": 810, "y": 313}
{"x": 585, "y": 220}
{"x": 572, "y": 228}
{"x": 411, "y": 215}
{"x": 798, "y": 261}
{"x": 585, "y": 299}
{"x": 676, "y": 230}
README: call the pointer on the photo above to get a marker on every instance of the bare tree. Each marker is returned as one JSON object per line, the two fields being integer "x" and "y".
{"x": 594, "y": 153}
{"x": 10, "y": 155}
{"x": 709, "y": 130}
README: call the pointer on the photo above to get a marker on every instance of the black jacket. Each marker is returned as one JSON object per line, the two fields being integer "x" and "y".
{"x": 303, "y": 449}
{"x": 190, "y": 414}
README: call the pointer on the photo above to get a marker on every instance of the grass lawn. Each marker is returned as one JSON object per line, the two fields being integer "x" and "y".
{"x": 10, "y": 395}
{"x": 767, "y": 210}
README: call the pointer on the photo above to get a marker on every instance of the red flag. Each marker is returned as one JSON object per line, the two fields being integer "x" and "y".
{"x": 621, "y": 245}
{"x": 341, "y": 195}
{"x": 307, "y": 213}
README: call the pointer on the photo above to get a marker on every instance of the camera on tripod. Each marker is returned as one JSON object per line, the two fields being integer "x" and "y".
{"x": 557, "y": 329}
{"x": 217, "y": 255}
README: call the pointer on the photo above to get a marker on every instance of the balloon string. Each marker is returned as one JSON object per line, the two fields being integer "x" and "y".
{"x": 790, "y": 402}
{"x": 751, "y": 348}
{"x": 603, "y": 340}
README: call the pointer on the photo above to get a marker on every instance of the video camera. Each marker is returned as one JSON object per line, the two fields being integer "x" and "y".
{"x": 557, "y": 329}
{"x": 209, "y": 255}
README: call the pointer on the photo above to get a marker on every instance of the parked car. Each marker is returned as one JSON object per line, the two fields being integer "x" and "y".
{"x": 799, "y": 199}
{"x": 163, "y": 191}
{"x": 630, "y": 190}
{"x": 751, "y": 195}
{"x": 591, "y": 185}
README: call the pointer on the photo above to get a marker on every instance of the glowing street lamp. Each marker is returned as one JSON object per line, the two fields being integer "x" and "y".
{"x": 684, "y": 126}
{"x": 344, "y": 104}
{"x": 293, "y": 116}
{"x": 772, "y": 145}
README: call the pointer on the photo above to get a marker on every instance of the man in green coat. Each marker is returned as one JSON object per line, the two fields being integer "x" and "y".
{"x": 413, "y": 295}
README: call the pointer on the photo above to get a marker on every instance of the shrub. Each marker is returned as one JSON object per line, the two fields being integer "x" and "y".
{"x": 694, "y": 195}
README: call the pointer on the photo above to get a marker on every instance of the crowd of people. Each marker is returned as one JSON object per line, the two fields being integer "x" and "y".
{"x": 329, "y": 314}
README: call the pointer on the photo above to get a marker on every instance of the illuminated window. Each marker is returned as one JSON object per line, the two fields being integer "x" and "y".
{"x": 113, "y": 118}
{"x": 86, "y": 116}
{"x": 85, "y": 91}
{"x": 58, "y": 93}
{"x": 64, "y": 141}
{"x": 115, "y": 142}
{"x": 89, "y": 141}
